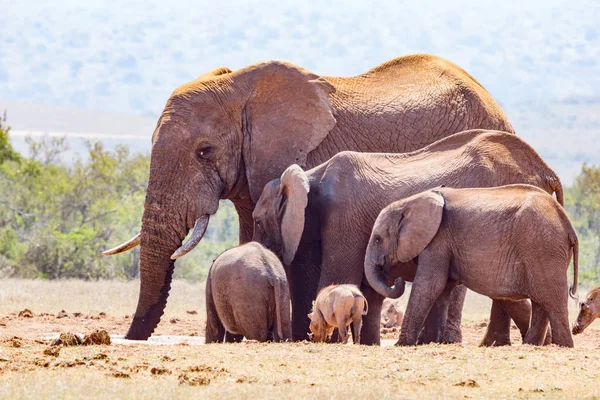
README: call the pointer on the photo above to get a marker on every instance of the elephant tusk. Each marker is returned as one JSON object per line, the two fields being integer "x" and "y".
{"x": 128, "y": 245}
{"x": 199, "y": 229}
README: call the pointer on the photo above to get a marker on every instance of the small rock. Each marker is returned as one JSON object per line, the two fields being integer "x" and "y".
{"x": 16, "y": 341}
{"x": 77, "y": 314}
{"x": 26, "y": 313}
{"x": 174, "y": 320}
{"x": 468, "y": 383}
{"x": 192, "y": 312}
{"x": 53, "y": 351}
{"x": 195, "y": 381}
{"x": 68, "y": 339}
{"x": 62, "y": 314}
{"x": 4, "y": 359}
{"x": 102, "y": 314}
{"x": 99, "y": 336}
{"x": 159, "y": 371}
{"x": 120, "y": 374}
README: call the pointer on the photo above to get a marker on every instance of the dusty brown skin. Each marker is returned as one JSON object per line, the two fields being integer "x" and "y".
{"x": 247, "y": 295}
{"x": 511, "y": 242}
{"x": 391, "y": 314}
{"x": 331, "y": 209}
{"x": 337, "y": 306}
{"x": 226, "y": 134}
{"x": 589, "y": 310}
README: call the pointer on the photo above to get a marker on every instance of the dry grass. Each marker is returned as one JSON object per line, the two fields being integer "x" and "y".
{"x": 253, "y": 370}
{"x": 112, "y": 297}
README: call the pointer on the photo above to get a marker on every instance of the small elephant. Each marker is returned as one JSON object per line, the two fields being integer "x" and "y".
{"x": 247, "y": 295}
{"x": 337, "y": 306}
{"x": 391, "y": 314}
{"x": 588, "y": 312}
{"x": 510, "y": 242}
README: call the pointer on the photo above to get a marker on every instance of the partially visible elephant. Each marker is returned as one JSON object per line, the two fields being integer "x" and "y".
{"x": 391, "y": 313}
{"x": 510, "y": 242}
{"x": 228, "y": 133}
{"x": 247, "y": 295}
{"x": 330, "y": 210}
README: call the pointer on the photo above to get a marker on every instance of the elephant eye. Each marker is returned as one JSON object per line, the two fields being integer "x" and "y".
{"x": 258, "y": 223}
{"x": 377, "y": 239}
{"x": 204, "y": 152}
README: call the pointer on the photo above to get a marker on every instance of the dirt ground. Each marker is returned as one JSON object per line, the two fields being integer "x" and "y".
{"x": 30, "y": 367}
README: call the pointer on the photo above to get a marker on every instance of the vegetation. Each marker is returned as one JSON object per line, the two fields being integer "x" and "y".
{"x": 57, "y": 217}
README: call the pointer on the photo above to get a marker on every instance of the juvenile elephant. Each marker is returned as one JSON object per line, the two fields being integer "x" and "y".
{"x": 329, "y": 211}
{"x": 510, "y": 242}
{"x": 226, "y": 134}
{"x": 337, "y": 306}
{"x": 247, "y": 295}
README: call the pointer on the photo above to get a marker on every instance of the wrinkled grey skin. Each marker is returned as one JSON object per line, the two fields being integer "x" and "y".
{"x": 247, "y": 296}
{"x": 330, "y": 210}
{"x": 228, "y": 133}
{"x": 509, "y": 242}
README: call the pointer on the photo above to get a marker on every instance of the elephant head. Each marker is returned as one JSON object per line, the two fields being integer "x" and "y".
{"x": 222, "y": 136}
{"x": 400, "y": 233}
{"x": 279, "y": 213}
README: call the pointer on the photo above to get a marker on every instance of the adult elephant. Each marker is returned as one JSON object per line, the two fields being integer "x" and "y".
{"x": 228, "y": 133}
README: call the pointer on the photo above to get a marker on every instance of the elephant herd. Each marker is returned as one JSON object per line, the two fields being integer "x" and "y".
{"x": 409, "y": 172}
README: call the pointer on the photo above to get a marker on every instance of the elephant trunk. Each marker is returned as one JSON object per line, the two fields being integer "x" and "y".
{"x": 156, "y": 271}
{"x": 375, "y": 278}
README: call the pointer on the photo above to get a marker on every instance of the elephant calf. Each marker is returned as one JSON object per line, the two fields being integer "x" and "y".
{"x": 510, "y": 242}
{"x": 391, "y": 314}
{"x": 337, "y": 306}
{"x": 247, "y": 295}
{"x": 589, "y": 311}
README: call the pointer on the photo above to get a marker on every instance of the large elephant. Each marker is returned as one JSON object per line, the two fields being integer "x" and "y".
{"x": 228, "y": 133}
{"x": 332, "y": 207}
{"x": 509, "y": 242}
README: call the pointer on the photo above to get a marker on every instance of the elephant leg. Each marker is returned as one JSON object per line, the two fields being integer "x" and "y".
{"x": 558, "y": 313}
{"x": 456, "y": 301}
{"x": 371, "y": 323}
{"x": 430, "y": 282}
{"x": 429, "y": 332}
{"x": 232, "y": 338}
{"x": 539, "y": 325}
{"x": 498, "y": 329}
{"x": 303, "y": 278}
{"x": 356, "y": 327}
{"x": 215, "y": 331}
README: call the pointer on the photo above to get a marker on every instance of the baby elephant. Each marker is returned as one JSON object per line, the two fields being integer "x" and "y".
{"x": 589, "y": 311}
{"x": 337, "y": 306}
{"x": 509, "y": 242}
{"x": 391, "y": 314}
{"x": 247, "y": 295}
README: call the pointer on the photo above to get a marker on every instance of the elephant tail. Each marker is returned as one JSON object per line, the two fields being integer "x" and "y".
{"x": 556, "y": 186}
{"x": 575, "y": 245}
{"x": 282, "y": 310}
{"x": 366, "y": 309}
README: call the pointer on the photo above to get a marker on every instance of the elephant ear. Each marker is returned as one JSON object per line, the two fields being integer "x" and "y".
{"x": 294, "y": 199}
{"x": 287, "y": 116}
{"x": 420, "y": 219}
